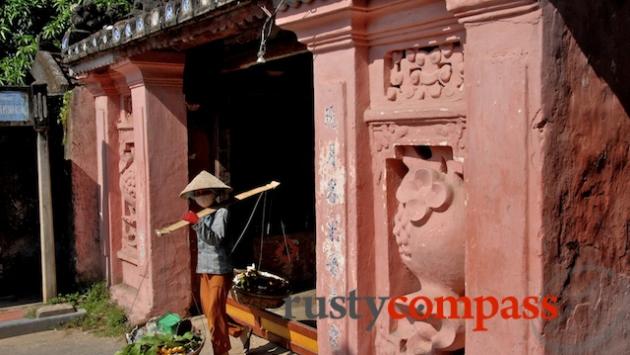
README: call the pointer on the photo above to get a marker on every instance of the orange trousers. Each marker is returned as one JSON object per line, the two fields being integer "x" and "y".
{"x": 214, "y": 291}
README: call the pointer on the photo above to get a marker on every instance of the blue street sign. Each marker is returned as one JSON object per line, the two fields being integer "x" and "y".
{"x": 14, "y": 107}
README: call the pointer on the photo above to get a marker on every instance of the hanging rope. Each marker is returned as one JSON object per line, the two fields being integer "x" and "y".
{"x": 266, "y": 30}
{"x": 247, "y": 224}
{"x": 266, "y": 231}
{"x": 251, "y": 216}
{"x": 262, "y": 232}
{"x": 286, "y": 243}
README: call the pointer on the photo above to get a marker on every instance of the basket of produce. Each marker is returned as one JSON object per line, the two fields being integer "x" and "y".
{"x": 259, "y": 289}
{"x": 165, "y": 335}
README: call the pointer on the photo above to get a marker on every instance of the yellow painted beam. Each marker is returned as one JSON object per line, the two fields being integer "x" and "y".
{"x": 303, "y": 341}
{"x": 241, "y": 315}
{"x": 293, "y": 336}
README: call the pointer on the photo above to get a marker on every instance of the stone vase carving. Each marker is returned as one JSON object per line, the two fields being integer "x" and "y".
{"x": 430, "y": 233}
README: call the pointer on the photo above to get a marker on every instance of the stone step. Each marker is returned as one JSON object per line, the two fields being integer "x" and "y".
{"x": 24, "y": 326}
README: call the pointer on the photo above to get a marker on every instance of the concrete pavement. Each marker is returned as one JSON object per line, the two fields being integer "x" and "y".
{"x": 67, "y": 342}
{"x": 259, "y": 346}
{"x": 77, "y": 342}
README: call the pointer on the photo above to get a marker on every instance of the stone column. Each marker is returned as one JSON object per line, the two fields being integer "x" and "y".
{"x": 335, "y": 36}
{"x": 505, "y": 138}
{"x": 153, "y": 168}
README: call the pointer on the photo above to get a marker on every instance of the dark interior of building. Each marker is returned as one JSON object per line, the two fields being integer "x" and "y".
{"x": 20, "y": 256}
{"x": 250, "y": 125}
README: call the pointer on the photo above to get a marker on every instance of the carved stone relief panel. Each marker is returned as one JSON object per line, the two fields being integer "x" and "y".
{"x": 429, "y": 231}
{"x": 127, "y": 181}
{"x": 417, "y": 123}
{"x": 386, "y": 135}
{"x": 427, "y": 74}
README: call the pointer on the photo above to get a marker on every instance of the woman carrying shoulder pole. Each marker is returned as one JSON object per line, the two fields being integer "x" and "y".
{"x": 213, "y": 259}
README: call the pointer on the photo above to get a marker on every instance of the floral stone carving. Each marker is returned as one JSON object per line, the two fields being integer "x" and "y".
{"x": 127, "y": 181}
{"x": 427, "y": 74}
{"x": 385, "y": 136}
{"x": 430, "y": 233}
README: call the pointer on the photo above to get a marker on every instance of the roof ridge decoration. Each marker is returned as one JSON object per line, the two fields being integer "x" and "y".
{"x": 293, "y": 4}
{"x": 139, "y": 26}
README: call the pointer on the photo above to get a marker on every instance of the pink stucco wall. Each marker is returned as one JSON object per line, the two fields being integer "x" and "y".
{"x": 81, "y": 133}
{"x": 478, "y": 215}
{"x": 376, "y": 81}
{"x": 503, "y": 69}
{"x": 143, "y": 164}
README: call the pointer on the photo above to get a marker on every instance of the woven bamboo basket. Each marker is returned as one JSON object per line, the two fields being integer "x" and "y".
{"x": 260, "y": 300}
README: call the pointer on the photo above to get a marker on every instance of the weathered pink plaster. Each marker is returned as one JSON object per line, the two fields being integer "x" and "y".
{"x": 430, "y": 137}
{"x": 447, "y": 76}
{"x": 81, "y": 151}
{"x": 343, "y": 174}
{"x": 503, "y": 69}
{"x": 141, "y": 127}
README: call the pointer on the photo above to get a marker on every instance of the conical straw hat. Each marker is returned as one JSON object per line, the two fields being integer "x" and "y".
{"x": 203, "y": 181}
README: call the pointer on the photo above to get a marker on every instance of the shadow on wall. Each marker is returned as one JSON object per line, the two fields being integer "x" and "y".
{"x": 586, "y": 217}
{"x": 600, "y": 29}
{"x": 87, "y": 244}
{"x": 81, "y": 149}
{"x": 61, "y": 190}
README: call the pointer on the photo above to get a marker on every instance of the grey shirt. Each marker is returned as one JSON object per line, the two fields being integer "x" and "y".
{"x": 212, "y": 248}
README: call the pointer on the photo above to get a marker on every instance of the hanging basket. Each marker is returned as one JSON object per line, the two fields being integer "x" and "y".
{"x": 259, "y": 289}
{"x": 258, "y": 301}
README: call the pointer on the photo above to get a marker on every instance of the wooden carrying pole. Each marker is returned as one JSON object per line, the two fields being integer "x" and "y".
{"x": 240, "y": 197}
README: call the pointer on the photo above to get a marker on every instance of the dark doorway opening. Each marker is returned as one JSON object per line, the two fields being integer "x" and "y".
{"x": 20, "y": 249}
{"x": 20, "y": 270}
{"x": 249, "y": 125}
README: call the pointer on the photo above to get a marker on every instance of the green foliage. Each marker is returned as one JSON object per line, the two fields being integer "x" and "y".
{"x": 14, "y": 66}
{"x": 26, "y": 23}
{"x": 31, "y": 313}
{"x": 59, "y": 23}
{"x": 72, "y": 298}
{"x": 151, "y": 344}
{"x": 21, "y": 22}
{"x": 64, "y": 113}
{"x": 103, "y": 316}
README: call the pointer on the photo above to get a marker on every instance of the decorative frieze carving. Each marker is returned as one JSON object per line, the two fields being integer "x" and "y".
{"x": 426, "y": 74}
{"x": 127, "y": 180}
{"x": 385, "y": 136}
